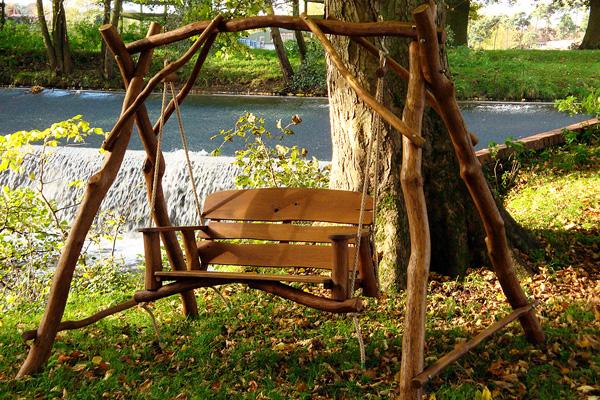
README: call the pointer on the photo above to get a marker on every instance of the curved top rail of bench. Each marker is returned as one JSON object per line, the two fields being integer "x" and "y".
{"x": 335, "y": 27}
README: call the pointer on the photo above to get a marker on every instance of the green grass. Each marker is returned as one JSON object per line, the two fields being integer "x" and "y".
{"x": 268, "y": 348}
{"x": 523, "y": 74}
{"x": 478, "y": 74}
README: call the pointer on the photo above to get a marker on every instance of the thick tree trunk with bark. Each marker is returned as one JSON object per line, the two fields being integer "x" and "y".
{"x": 284, "y": 62}
{"x": 591, "y": 40}
{"x": 62, "y": 49}
{"x": 106, "y": 56}
{"x": 115, "y": 15}
{"x": 457, "y": 20}
{"x": 298, "y": 34}
{"x": 457, "y": 235}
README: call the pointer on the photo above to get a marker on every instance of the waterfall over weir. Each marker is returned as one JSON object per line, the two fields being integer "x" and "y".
{"x": 127, "y": 196}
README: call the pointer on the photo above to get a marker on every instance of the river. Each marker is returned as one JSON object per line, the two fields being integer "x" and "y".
{"x": 205, "y": 115}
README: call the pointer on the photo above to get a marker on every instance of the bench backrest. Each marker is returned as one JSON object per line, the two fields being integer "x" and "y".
{"x": 288, "y": 206}
{"x": 284, "y": 204}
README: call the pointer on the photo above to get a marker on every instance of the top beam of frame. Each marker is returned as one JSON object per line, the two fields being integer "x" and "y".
{"x": 335, "y": 27}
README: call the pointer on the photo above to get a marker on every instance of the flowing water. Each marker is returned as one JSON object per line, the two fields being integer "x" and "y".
{"x": 205, "y": 115}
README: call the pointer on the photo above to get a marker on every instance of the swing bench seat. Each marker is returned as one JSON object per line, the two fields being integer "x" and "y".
{"x": 310, "y": 234}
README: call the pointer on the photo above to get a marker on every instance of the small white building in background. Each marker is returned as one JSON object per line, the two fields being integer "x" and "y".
{"x": 262, "y": 39}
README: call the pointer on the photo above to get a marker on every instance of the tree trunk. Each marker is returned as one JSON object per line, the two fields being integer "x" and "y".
{"x": 2, "y": 14}
{"x": 457, "y": 235}
{"x": 457, "y": 20}
{"x": 284, "y": 62}
{"x": 62, "y": 49}
{"x": 46, "y": 34}
{"x": 106, "y": 56}
{"x": 109, "y": 65}
{"x": 591, "y": 40}
{"x": 298, "y": 34}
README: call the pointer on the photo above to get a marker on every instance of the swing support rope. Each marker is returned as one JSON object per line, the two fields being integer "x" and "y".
{"x": 374, "y": 144}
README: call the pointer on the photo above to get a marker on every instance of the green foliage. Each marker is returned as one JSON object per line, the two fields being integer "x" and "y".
{"x": 32, "y": 231}
{"x": 585, "y": 104}
{"x": 83, "y": 35}
{"x": 276, "y": 166}
{"x": 523, "y": 74}
{"x": 21, "y": 37}
{"x": 504, "y": 173}
{"x": 310, "y": 76}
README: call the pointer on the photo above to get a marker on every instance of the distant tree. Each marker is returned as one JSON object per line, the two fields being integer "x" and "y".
{"x": 284, "y": 62}
{"x": 591, "y": 39}
{"x": 483, "y": 28}
{"x": 520, "y": 22}
{"x": 299, "y": 37}
{"x": 457, "y": 20}
{"x": 566, "y": 26}
{"x": 2, "y": 14}
{"x": 57, "y": 45}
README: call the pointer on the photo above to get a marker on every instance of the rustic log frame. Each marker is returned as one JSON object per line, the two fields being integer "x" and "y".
{"x": 411, "y": 180}
{"x": 471, "y": 172}
{"x": 149, "y": 142}
{"x": 435, "y": 88}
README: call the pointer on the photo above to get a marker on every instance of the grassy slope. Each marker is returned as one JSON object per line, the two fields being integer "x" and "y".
{"x": 500, "y": 74}
{"x": 270, "y": 348}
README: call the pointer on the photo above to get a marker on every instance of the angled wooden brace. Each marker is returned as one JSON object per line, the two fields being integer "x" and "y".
{"x": 149, "y": 141}
{"x": 411, "y": 179}
{"x": 95, "y": 192}
{"x": 470, "y": 171}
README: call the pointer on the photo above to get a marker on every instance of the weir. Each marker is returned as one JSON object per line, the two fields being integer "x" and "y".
{"x": 128, "y": 196}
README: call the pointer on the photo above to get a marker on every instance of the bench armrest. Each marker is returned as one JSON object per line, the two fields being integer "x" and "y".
{"x": 203, "y": 228}
{"x": 349, "y": 236}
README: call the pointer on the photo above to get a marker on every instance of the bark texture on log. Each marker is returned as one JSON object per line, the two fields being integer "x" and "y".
{"x": 413, "y": 339}
{"x": 149, "y": 141}
{"x": 471, "y": 172}
{"x": 97, "y": 188}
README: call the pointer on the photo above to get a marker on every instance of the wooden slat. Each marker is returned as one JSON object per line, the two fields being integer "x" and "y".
{"x": 267, "y": 255}
{"x": 275, "y": 232}
{"x": 245, "y": 276}
{"x": 285, "y": 204}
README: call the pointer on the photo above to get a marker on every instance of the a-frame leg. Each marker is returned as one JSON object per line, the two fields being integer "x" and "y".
{"x": 149, "y": 141}
{"x": 413, "y": 341}
{"x": 470, "y": 171}
{"x": 96, "y": 190}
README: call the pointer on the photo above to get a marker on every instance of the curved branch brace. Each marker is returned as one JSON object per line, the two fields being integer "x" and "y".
{"x": 386, "y": 114}
{"x": 97, "y": 188}
{"x": 189, "y": 83}
{"x": 470, "y": 171}
{"x": 156, "y": 79}
{"x": 384, "y": 28}
{"x": 150, "y": 142}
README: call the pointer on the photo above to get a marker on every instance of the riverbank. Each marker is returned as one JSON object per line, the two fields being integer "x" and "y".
{"x": 507, "y": 75}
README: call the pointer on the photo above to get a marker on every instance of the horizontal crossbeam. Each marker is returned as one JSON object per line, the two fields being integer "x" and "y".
{"x": 384, "y": 28}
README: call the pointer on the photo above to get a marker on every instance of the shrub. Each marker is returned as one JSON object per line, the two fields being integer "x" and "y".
{"x": 276, "y": 166}
{"x": 31, "y": 229}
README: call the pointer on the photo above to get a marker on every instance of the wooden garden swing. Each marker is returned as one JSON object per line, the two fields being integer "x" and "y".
{"x": 274, "y": 211}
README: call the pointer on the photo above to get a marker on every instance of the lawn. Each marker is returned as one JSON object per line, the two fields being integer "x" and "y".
{"x": 260, "y": 347}
{"x": 516, "y": 75}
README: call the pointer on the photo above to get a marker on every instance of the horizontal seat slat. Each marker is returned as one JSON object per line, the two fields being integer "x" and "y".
{"x": 288, "y": 204}
{"x": 174, "y": 275}
{"x": 268, "y": 255}
{"x": 278, "y": 232}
